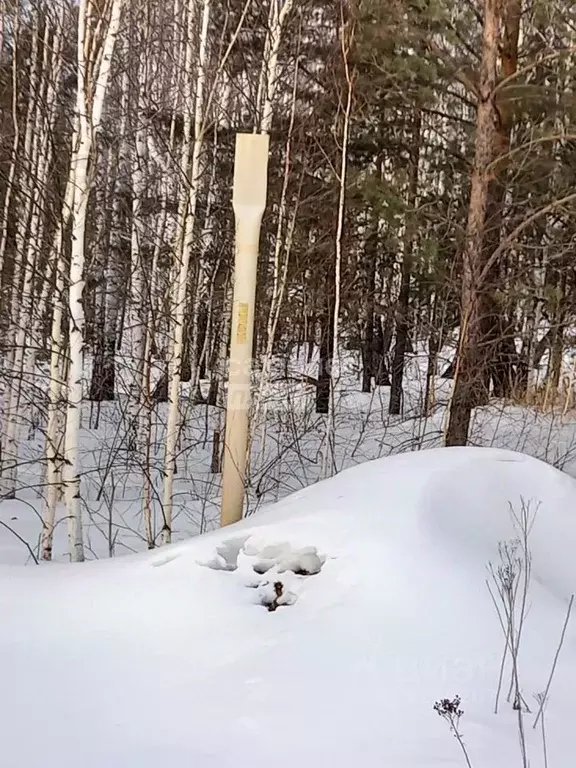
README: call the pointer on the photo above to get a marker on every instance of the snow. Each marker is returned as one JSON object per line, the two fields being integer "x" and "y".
{"x": 289, "y": 442}
{"x": 171, "y": 657}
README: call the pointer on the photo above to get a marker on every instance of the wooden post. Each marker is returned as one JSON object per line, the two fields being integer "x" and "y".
{"x": 249, "y": 202}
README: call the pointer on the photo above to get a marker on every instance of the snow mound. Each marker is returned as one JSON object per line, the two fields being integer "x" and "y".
{"x": 168, "y": 658}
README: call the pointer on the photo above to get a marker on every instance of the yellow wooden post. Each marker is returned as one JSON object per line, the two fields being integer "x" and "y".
{"x": 249, "y": 203}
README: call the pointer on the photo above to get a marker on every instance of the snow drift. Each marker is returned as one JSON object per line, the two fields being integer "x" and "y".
{"x": 170, "y": 658}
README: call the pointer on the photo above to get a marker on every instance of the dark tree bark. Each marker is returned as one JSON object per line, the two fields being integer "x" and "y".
{"x": 450, "y": 369}
{"x": 215, "y": 384}
{"x": 103, "y": 380}
{"x": 403, "y": 310}
{"x": 186, "y": 372}
{"x": 323, "y": 389}
{"x": 556, "y": 353}
{"x": 382, "y": 340}
{"x": 541, "y": 348}
{"x": 367, "y": 330}
{"x": 325, "y": 365}
{"x": 203, "y": 342}
{"x": 160, "y": 392}
{"x": 367, "y": 356}
{"x": 212, "y": 397}
{"x": 506, "y": 365}
{"x": 311, "y": 338}
{"x": 558, "y": 331}
{"x": 433, "y": 349}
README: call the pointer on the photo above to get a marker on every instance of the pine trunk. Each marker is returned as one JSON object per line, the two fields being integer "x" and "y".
{"x": 470, "y": 375}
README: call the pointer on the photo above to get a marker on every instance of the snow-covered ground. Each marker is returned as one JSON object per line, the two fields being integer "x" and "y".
{"x": 170, "y": 658}
{"x": 287, "y": 454}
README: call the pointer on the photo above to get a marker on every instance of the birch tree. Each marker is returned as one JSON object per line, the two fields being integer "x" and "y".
{"x": 191, "y": 170}
{"x": 135, "y": 335}
{"x": 268, "y": 83}
{"x": 55, "y": 431}
{"x": 22, "y": 265}
{"x": 346, "y": 37}
{"x": 94, "y": 59}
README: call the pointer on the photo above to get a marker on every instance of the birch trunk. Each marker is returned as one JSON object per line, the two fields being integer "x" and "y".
{"x": 136, "y": 322}
{"x": 329, "y": 453}
{"x": 89, "y": 124}
{"x": 269, "y": 73}
{"x": 20, "y": 305}
{"x": 188, "y": 210}
{"x": 39, "y": 298}
{"x": 152, "y": 326}
{"x": 55, "y": 430}
{"x": 280, "y": 272}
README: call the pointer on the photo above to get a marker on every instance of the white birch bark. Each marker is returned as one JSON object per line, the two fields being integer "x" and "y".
{"x": 153, "y": 325}
{"x": 89, "y": 123}
{"x": 34, "y": 304}
{"x": 280, "y": 272}
{"x": 11, "y": 423}
{"x": 188, "y": 212}
{"x": 205, "y": 281}
{"x": 269, "y": 74}
{"x": 56, "y": 422}
{"x": 135, "y": 336}
{"x": 261, "y": 93}
{"x": 329, "y": 452}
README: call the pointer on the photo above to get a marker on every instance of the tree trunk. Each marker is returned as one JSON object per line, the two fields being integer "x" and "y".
{"x": 470, "y": 373}
{"x": 367, "y": 329}
{"x": 402, "y": 314}
{"x": 433, "y": 349}
{"x": 136, "y": 335}
{"x": 55, "y": 430}
{"x": 101, "y": 388}
{"x": 498, "y": 329}
{"x": 557, "y": 338}
{"x": 89, "y": 115}
{"x": 382, "y": 341}
{"x": 368, "y": 348}
{"x": 325, "y": 362}
{"x": 103, "y": 380}
{"x": 20, "y": 305}
{"x": 191, "y": 159}
{"x": 311, "y": 340}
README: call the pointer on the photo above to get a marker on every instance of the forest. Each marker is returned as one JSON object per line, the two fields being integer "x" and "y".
{"x": 416, "y": 274}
